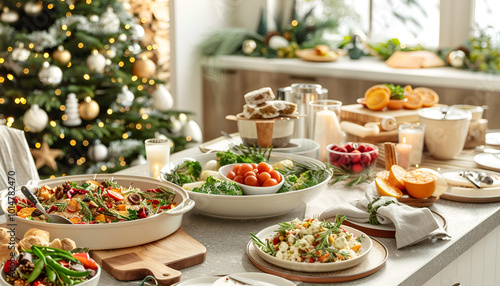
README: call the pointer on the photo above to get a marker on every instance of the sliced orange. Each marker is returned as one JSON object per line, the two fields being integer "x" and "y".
{"x": 384, "y": 188}
{"x": 408, "y": 89}
{"x": 429, "y": 96}
{"x": 396, "y": 177}
{"x": 377, "y": 97}
{"x": 420, "y": 184}
{"x": 383, "y": 174}
{"x": 414, "y": 101}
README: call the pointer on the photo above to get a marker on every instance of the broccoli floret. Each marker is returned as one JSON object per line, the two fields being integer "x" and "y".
{"x": 215, "y": 186}
{"x": 226, "y": 158}
{"x": 306, "y": 180}
{"x": 187, "y": 172}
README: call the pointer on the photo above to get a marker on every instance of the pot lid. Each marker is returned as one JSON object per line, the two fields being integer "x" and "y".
{"x": 444, "y": 113}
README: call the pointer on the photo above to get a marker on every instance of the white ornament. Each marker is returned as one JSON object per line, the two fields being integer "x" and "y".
{"x": 139, "y": 161}
{"x": 96, "y": 62}
{"x": 111, "y": 53}
{"x": 33, "y": 8}
{"x": 276, "y": 42}
{"x": 9, "y": 16}
{"x": 175, "y": 126}
{"x": 94, "y": 18}
{"x": 135, "y": 49}
{"x": 193, "y": 130}
{"x": 122, "y": 37}
{"x": 248, "y": 46}
{"x": 50, "y": 75}
{"x": 35, "y": 118}
{"x": 160, "y": 136}
{"x": 109, "y": 21}
{"x": 20, "y": 54}
{"x": 98, "y": 152}
{"x": 457, "y": 58}
{"x": 71, "y": 112}
{"x": 162, "y": 99}
{"x": 125, "y": 98}
{"x": 137, "y": 32}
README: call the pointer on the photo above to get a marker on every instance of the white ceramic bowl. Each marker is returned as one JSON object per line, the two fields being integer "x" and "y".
{"x": 366, "y": 246}
{"x": 252, "y": 207}
{"x": 124, "y": 234}
{"x": 251, "y": 190}
{"x": 94, "y": 281}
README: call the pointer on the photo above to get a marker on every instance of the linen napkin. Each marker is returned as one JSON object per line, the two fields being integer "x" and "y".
{"x": 412, "y": 224}
{"x": 15, "y": 158}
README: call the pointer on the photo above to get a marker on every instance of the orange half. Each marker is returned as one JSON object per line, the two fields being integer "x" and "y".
{"x": 414, "y": 101}
{"x": 429, "y": 96}
{"x": 377, "y": 97}
{"x": 396, "y": 177}
{"x": 420, "y": 184}
{"x": 384, "y": 188}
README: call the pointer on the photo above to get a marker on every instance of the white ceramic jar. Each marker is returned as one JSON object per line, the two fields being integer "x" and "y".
{"x": 446, "y": 130}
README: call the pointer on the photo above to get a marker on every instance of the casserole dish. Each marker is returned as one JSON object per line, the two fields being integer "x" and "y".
{"x": 108, "y": 235}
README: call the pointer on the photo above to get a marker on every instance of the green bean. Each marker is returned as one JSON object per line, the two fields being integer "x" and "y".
{"x": 50, "y": 273}
{"x": 63, "y": 270}
{"x": 36, "y": 271}
{"x": 54, "y": 252}
{"x": 38, "y": 253}
{"x": 22, "y": 274}
{"x": 66, "y": 279}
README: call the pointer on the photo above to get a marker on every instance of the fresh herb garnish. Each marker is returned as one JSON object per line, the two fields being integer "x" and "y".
{"x": 398, "y": 92}
{"x": 372, "y": 210}
{"x": 187, "y": 172}
{"x": 265, "y": 246}
{"x": 340, "y": 174}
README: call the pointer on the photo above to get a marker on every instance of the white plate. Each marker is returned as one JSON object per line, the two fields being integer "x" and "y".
{"x": 493, "y": 138}
{"x": 252, "y": 207}
{"x": 366, "y": 246}
{"x": 488, "y": 161}
{"x": 471, "y": 194}
{"x": 222, "y": 281}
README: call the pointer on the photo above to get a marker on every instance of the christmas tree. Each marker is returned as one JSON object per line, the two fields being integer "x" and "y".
{"x": 75, "y": 78}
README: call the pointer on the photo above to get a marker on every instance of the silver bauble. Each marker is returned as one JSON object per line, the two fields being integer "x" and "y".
{"x": 33, "y": 8}
{"x": 137, "y": 32}
{"x": 248, "y": 46}
{"x": 277, "y": 42}
{"x": 98, "y": 152}
{"x": 20, "y": 54}
{"x": 162, "y": 99}
{"x": 35, "y": 119}
{"x": 9, "y": 16}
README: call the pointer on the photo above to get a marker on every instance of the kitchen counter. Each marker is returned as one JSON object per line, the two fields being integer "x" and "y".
{"x": 366, "y": 68}
{"x": 226, "y": 239}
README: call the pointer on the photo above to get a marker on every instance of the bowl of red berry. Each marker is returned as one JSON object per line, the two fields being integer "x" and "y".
{"x": 254, "y": 179}
{"x": 353, "y": 157}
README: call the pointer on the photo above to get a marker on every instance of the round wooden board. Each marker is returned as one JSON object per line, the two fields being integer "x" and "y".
{"x": 377, "y": 258}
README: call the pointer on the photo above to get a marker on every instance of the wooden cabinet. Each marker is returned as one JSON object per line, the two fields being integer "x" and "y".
{"x": 223, "y": 94}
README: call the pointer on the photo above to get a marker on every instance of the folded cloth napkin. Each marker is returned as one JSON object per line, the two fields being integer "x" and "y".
{"x": 412, "y": 224}
{"x": 16, "y": 161}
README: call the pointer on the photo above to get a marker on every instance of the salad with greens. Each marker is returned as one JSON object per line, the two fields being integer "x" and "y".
{"x": 192, "y": 176}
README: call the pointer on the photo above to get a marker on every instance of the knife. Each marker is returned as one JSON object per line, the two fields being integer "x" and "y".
{"x": 473, "y": 178}
{"x": 248, "y": 281}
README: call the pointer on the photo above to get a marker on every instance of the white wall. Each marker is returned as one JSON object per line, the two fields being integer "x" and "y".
{"x": 191, "y": 21}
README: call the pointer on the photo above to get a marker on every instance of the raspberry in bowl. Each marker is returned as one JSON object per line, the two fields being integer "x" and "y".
{"x": 352, "y": 156}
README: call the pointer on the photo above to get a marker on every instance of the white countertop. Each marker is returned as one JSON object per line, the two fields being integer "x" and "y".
{"x": 366, "y": 68}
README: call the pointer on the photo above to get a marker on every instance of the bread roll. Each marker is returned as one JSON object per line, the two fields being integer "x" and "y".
{"x": 4, "y": 235}
{"x": 259, "y": 96}
{"x": 45, "y": 235}
{"x": 6, "y": 252}
{"x": 29, "y": 241}
{"x": 68, "y": 244}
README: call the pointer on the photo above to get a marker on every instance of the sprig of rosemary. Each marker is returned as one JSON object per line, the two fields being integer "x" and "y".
{"x": 331, "y": 228}
{"x": 341, "y": 174}
{"x": 265, "y": 246}
{"x": 372, "y": 210}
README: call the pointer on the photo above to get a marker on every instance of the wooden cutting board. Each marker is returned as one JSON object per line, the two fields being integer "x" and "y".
{"x": 358, "y": 114}
{"x": 161, "y": 258}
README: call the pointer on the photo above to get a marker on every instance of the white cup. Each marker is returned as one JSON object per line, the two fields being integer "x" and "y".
{"x": 157, "y": 154}
{"x": 446, "y": 130}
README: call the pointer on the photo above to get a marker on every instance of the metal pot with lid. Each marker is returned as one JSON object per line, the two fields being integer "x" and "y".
{"x": 446, "y": 130}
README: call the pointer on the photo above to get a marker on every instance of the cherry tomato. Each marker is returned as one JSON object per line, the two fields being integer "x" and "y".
{"x": 231, "y": 175}
{"x": 249, "y": 173}
{"x": 275, "y": 175}
{"x": 270, "y": 182}
{"x": 264, "y": 167}
{"x": 244, "y": 168}
{"x": 238, "y": 179}
{"x": 236, "y": 169}
{"x": 263, "y": 177}
{"x": 254, "y": 165}
{"x": 251, "y": 181}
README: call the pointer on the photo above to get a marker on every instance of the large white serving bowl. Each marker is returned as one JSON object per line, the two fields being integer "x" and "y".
{"x": 257, "y": 206}
{"x": 94, "y": 281}
{"x": 366, "y": 246}
{"x": 110, "y": 235}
